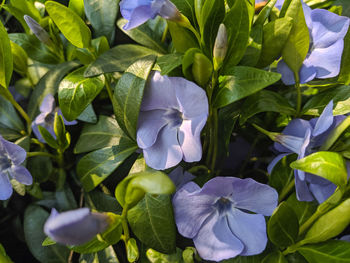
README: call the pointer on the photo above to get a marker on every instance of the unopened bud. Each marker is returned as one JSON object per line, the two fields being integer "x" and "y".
{"x": 38, "y": 31}
{"x": 167, "y": 10}
{"x": 220, "y": 47}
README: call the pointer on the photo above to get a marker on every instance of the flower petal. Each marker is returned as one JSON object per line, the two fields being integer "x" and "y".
{"x": 307, "y": 72}
{"x": 275, "y": 161}
{"x": 190, "y": 138}
{"x": 191, "y": 209}
{"x": 215, "y": 240}
{"x": 286, "y": 72}
{"x": 327, "y": 60}
{"x": 127, "y": 6}
{"x": 159, "y": 94}
{"x": 322, "y": 192}
{"x": 21, "y": 174}
{"x": 5, "y": 187}
{"x": 302, "y": 190}
{"x": 180, "y": 178}
{"x": 192, "y": 98}
{"x": 324, "y": 121}
{"x": 328, "y": 28}
{"x": 166, "y": 151}
{"x": 292, "y": 143}
{"x": 16, "y": 153}
{"x": 253, "y": 196}
{"x": 250, "y": 229}
{"x": 139, "y": 16}
{"x": 75, "y": 227}
{"x": 48, "y": 104}
{"x": 149, "y": 125}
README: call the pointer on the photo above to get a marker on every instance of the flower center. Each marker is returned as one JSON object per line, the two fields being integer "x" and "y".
{"x": 49, "y": 118}
{"x": 5, "y": 162}
{"x": 223, "y": 204}
{"x": 173, "y": 117}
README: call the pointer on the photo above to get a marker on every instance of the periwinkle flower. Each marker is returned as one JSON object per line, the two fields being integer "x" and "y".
{"x": 138, "y": 12}
{"x": 303, "y": 138}
{"x": 180, "y": 177}
{"x": 219, "y": 219}
{"x": 75, "y": 227}
{"x": 173, "y": 113}
{"x": 11, "y": 157}
{"x": 327, "y": 31}
{"x": 46, "y": 117}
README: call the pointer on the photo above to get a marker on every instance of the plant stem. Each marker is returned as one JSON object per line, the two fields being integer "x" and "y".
{"x": 214, "y": 138}
{"x": 33, "y": 154}
{"x": 286, "y": 190}
{"x": 165, "y": 32}
{"x": 299, "y": 95}
{"x": 125, "y": 224}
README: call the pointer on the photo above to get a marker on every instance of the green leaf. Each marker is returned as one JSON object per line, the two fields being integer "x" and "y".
{"x": 212, "y": 14}
{"x": 186, "y": 7}
{"x": 106, "y": 255}
{"x": 182, "y": 38}
{"x": 34, "y": 219}
{"x": 106, "y": 132}
{"x": 49, "y": 139}
{"x": 78, "y": 7}
{"x": 282, "y": 175}
{"x": 240, "y": 82}
{"x": 70, "y": 24}
{"x": 132, "y": 250}
{"x": 102, "y": 15}
{"x": 303, "y": 210}
{"x": 88, "y": 115}
{"x": 283, "y": 226}
{"x": 237, "y": 23}
{"x": 133, "y": 188}
{"x": 253, "y": 50}
{"x": 48, "y": 242}
{"x": 297, "y": 45}
{"x": 96, "y": 166}
{"x": 244, "y": 259}
{"x": 275, "y": 257}
{"x": 168, "y": 63}
{"x": 275, "y": 35}
{"x": 40, "y": 167}
{"x": 329, "y": 165}
{"x": 35, "y": 49}
{"x": 144, "y": 35}
{"x": 48, "y": 85}
{"x": 156, "y": 257}
{"x": 330, "y": 224}
{"x": 76, "y": 92}
{"x": 202, "y": 69}
{"x": 10, "y": 123}
{"x": 340, "y": 96}
{"x": 344, "y": 75}
{"x": 118, "y": 58}
{"x": 265, "y": 101}
{"x": 334, "y": 251}
{"x": 6, "y": 59}
{"x": 20, "y": 59}
{"x": 102, "y": 202}
{"x": 152, "y": 221}
{"x": 3, "y": 257}
{"x": 129, "y": 92}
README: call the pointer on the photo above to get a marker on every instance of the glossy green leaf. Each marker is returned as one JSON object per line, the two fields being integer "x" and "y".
{"x": 330, "y": 224}
{"x": 186, "y": 7}
{"x": 334, "y": 251}
{"x": 182, "y": 38}
{"x": 240, "y": 82}
{"x": 88, "y": 115}
{"x": 303, "y": 210}
{"x": 329, "y": 165}
{"x": 344, "y": 74}
{"x": 20, "y": 59}
{"x": 169, "y": 62}
{"x": 283, "y": 226}
{"x": 202, "y": 69}
{"x": 48, "y": 85}
{"x": 3, "y": 257}
{"x": 237, "y": 23}
{"x": 70, "y": 24}
{"x": 78, "y": 7}
{"x": 48, "y": 138}
{"x": 102, "y": 202}
{"x": 152, "y": 221}
{"x": 6, "y": 59}
{"x": 96, "y": 166}
{"x": 244, "y": 259}
{"x": 265, "y": 101}
{"x": 106, "y": 132}
{"x": 34, "y": 219}
{"x": 118, "y": 58}
{"x": 275, "y": 257}
{"x": 102, "y": 15}
{"x": 154, "y": 256}
{"x": 144, "y": 35}
{"x": 275, "y": 35}
{"x": 265, "y": 13}
{"x": 129, "y": 92}
{"x": 76, "y": 92}
{"x": 9, "y": 119}
{"x": 253, "y": 50}
{"x": 132, "y": 250}
{"x": 35, "y": 49}
{"x": 297, "y": 44}
{"x": 107, "y": 255}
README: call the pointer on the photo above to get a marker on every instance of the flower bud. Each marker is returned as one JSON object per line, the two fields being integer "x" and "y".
{"x": 167, "y": 10}
{"x": 75, "y": 227}
{"x": 220, "y": 47}
{"x": 38, "y": 31}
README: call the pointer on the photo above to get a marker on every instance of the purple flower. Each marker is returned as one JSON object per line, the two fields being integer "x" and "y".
{"x": 173, "y": 113}
{"x": 179, "y": 177}
{"x": 139, "y": 11}
{"x": 218, "y": 217}
{"x": 11, "y": 157}
{"x": 303, "y": 138}
{"x": 47, "y": 116}
{"x": 75, "y": 227}
{"x": 327, "y": 31}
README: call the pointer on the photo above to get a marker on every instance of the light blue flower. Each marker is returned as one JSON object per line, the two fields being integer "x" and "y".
{"x": 219, "y": 219}
{"x": 327, "y": 31}
{"x": 47, "y": 116}
{"x": 139, "y": 11}
{"x": 179, "y": 177}
{"x": 303, "y": 138}
{"x": 11, "y": 157}
{"x": 173, "y": 113}
{"x": 75, "y": 227}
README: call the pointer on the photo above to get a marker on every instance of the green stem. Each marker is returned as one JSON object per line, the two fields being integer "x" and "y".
{"x": 197, "y": 168}
{"x": 286, "y": 190}
{"x": 214, "y": 138}
{"x": 165, "y": 32}
{"x": 125, "y": 224}
{"x": 271, "y": 135}
{"x": 33, "y": 154}
{"x": 299, "y": 95}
